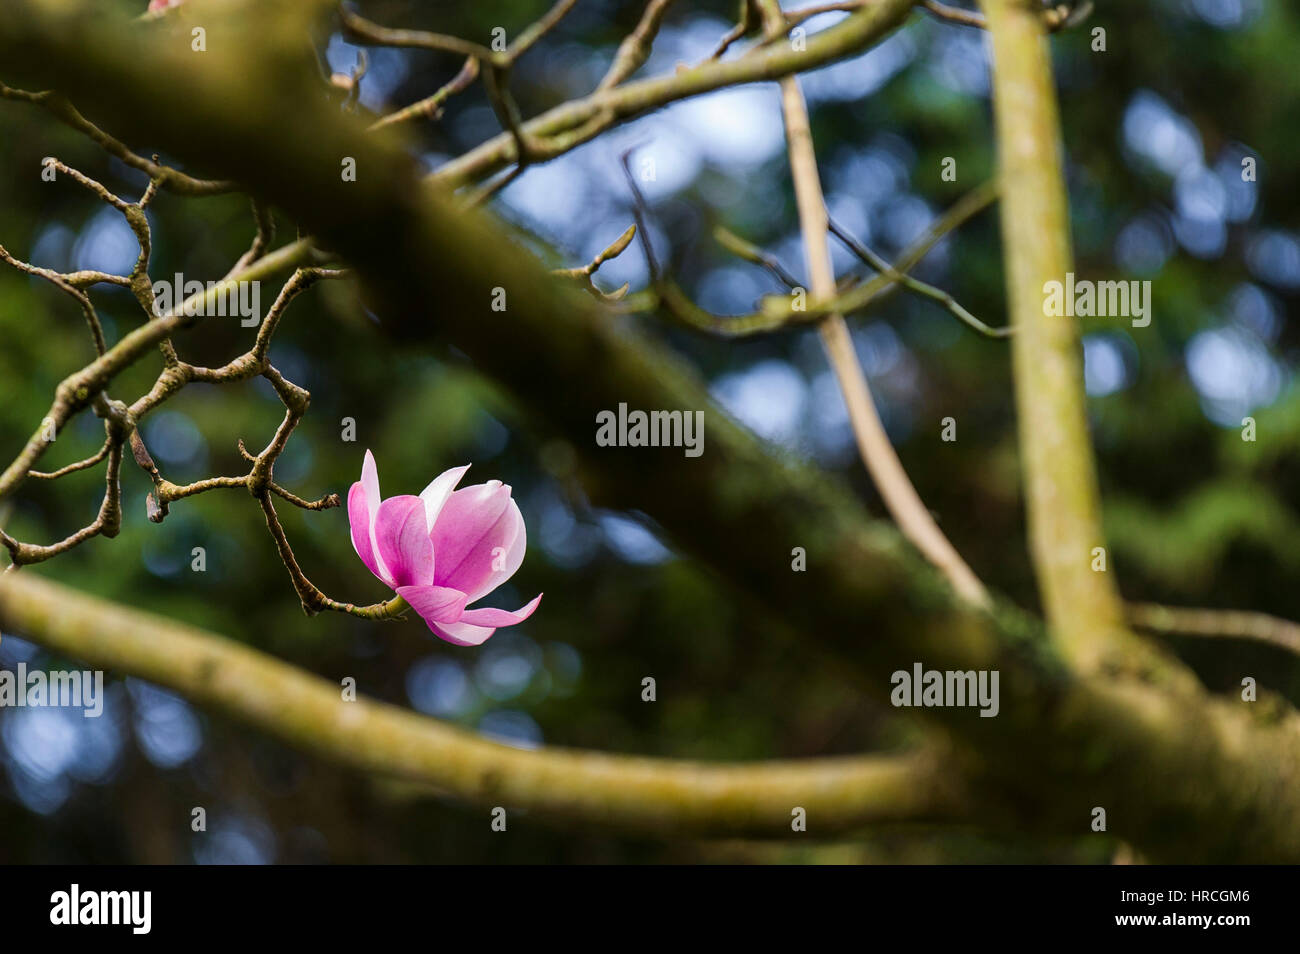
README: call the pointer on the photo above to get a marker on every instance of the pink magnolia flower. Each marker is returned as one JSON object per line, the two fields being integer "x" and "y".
{"x": 162, "y": 4}
{"x": 442, "y": 549}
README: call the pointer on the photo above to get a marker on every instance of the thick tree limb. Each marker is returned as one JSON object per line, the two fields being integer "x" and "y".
{"x": 1082, "y": 605}
{"x": 659, "y": 796}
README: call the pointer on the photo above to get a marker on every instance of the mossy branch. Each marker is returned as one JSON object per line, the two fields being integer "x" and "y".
{"x": 659, "y": 796}
{"x": 1082, "y": 604}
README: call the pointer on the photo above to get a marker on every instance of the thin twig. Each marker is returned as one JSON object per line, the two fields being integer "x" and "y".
{"x": 1229, "y": 624}
{"x": 1059, "y": 17}
{"x": 639, "y": 215}
{"x": 431, "y": 106}
{"x": 536, "y": 31}
{"x": 357, "y": 27}
{"x": 583, "y": 273}
{"x": 896, "y": 489}
{"x": 916, "y": 285}
{"x": 172, "y": 179}
{"x": 635, "y": 48}
{"x": 778, "y": 313}
{"x": 752, "y": 253}
{"x": 89, "y": 462}
{"x": 943, "y": 11}
{"x": 744, "y": 23}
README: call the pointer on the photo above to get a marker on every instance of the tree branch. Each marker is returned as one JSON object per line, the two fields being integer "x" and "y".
{"x": 81, "y": 388}
{"x": 659, "y": 796}
{"x": 583, "y": 119}
{"x": 635, "y": 48}
{"x": 1228, "y": 624}
{"x": 58, "y": 107}
{"x": 877, "y": 452}
{"x": 1082, "y": 605}
{"x": 777, "y": 313}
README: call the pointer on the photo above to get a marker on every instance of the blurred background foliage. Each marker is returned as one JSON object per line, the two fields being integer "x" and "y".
{"x": 1156, "y": 128}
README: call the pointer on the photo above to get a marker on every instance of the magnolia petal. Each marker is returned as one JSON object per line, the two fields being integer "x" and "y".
{"x": 435, "y": 604}
{"x": 494, "y": 559}
{"x": 402, "y": 542}
{"x": 487, "y": 616}
{"x": 467, "y": 516}
{"x": 359, "y": 524}
{"x": 370, "y": 485}
{"x": 462, "y": 634}
{"x": 435, "y": 495}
